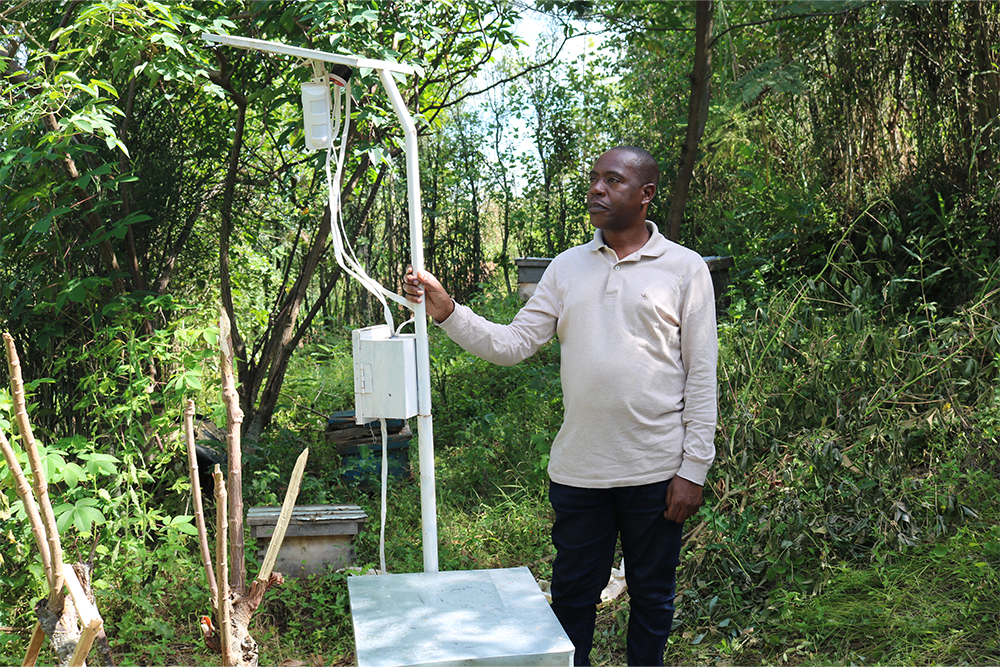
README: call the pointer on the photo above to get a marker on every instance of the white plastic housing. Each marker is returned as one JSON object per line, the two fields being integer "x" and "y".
{"x": 316, "y": 108}
{"x": 385, "y": 374}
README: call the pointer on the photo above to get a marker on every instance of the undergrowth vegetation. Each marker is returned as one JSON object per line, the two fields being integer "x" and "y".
{"x": 851, "y": 516}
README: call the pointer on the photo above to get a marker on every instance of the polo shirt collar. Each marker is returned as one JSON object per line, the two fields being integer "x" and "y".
{"x": 655, "y": 246}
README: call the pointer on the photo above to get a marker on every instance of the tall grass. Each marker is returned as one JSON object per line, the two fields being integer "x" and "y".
{"x": 851, "y": 516}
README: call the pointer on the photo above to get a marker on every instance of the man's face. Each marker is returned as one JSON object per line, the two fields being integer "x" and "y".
{"x": 617, "y": 196}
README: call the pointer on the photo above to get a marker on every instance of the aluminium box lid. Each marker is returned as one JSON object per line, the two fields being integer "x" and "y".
{"x": 491, "y": 618}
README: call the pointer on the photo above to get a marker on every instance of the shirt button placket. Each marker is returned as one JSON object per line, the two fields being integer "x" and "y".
{"x": 614, "y": 281}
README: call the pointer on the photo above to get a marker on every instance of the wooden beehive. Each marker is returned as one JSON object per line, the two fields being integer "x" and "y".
{"x": 360, "y": 447}
{"x": 319, "y": 537}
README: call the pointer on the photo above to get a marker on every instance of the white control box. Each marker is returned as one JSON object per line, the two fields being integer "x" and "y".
{"x": 385, "y": 374}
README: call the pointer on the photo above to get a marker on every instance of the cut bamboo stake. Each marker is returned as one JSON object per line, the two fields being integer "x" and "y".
{"x": 24, "y": 493}
{"x": 199, "y": 512}
{"x": 43, "y": 525}
{"x": 234, "y": 421}
{"x": 90, "y": 619}
{"x": 225, "y": 603}
{"x": 55, "y": 571}
{"x": 34, "y": 646}
{"x": 283, "y": 519}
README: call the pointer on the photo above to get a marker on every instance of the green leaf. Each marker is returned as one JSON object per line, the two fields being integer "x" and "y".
{"x": 100, "y": 464}
{"x": 184, "y": 524}
{"x": 84, "y": 517}
{"x": 73, "y": 474}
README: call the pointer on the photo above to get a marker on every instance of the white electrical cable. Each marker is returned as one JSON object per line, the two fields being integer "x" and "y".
{"x": 350, "y": 264}
{"x": 400, "y": 327}
{"x": 385, "y": 496}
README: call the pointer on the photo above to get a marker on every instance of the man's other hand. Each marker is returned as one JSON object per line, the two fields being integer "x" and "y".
{"x": 683, "y": 499}
{"x": 424, "y": 287}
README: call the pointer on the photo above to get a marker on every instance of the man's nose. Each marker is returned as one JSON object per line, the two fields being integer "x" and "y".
{"x": 596, "y": 186}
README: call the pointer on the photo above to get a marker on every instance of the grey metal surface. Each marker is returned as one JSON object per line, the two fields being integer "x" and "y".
{"x": 479, "y": 617}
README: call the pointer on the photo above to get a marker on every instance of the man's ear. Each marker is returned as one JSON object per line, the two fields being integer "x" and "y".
{"x": 648, "y": 190}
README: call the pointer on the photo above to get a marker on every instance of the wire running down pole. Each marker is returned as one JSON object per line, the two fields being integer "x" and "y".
{"x": 425, "y": 430}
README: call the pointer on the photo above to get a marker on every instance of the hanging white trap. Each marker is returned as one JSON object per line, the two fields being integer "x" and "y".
{"x": 326, "y": 102}
{"x": 484, "y": 617}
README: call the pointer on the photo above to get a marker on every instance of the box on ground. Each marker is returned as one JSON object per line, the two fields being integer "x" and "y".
{"x": 318, "y": 538}
{"x": 495, "y": 618}
{"x": 360, "y": 447}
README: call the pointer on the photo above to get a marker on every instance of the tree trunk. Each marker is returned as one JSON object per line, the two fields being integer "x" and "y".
{"x": 287, "y": 330}
{"x": 697, "y": 114}
{"x": 226, "y": 214}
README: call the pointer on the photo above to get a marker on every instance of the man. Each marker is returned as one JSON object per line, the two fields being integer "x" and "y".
{"x": 635, "y": 317}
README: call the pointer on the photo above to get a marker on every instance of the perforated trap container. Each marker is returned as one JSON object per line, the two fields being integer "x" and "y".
{"x": 479, "y": 617}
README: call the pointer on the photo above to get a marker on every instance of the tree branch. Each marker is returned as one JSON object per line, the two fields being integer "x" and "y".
{"x": 41, "y": 487}
{"x": 527, "y": 70}
{"x": 790, "y": 17}
{"x": 23, "y": 488}
{"x": 199, "y": 513}
{"x": 234, "y": 421}
{"x": 223, "y": 79}
{"x": 225, "y": 599}
{"x": 14, "y": 9}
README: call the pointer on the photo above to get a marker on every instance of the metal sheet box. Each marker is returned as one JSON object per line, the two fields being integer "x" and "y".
{"x": 385, "y": 374}
{"x": 480, "y": 617}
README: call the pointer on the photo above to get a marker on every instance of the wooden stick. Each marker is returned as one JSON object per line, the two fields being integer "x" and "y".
{"x": 225, "y": 604}
{"x": 283, "y": 519}
{"x": 234, "y": 421}
{"x": 199, "y": 512}
{"x": 24, "y": 492}
{"x": 90, "y": 618}
{"x": 38, "y": 473}
{"x": 34, "y": 646}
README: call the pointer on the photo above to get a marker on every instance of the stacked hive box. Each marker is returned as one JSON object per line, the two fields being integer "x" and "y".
{"x": 319, "y": 537}
{"x": 360, "y": 447}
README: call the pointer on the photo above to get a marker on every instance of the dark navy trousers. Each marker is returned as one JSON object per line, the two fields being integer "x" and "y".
{"x": 587, "y": 526}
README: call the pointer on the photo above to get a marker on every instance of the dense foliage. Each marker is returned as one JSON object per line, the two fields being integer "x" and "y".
{"x": 848, "y": 165}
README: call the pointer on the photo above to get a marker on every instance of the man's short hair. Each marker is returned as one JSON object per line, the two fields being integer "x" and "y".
{"x": 644, "y": 163}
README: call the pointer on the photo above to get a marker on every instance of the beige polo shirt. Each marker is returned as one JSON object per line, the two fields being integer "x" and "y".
{"x": 638, "y": 348}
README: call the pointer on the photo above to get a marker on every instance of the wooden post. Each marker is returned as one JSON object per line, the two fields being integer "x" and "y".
{"x": 234, "y": 421}
{"x": 199, "y": 512}
{"x": 225, "y": 601}
{"x": 34, "y": 646}
{"x": 90, "y": 619}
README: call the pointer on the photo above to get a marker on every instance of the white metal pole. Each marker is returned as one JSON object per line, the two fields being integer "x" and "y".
{"x": 425, "y": 428}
